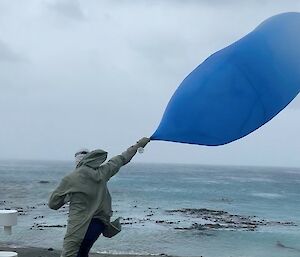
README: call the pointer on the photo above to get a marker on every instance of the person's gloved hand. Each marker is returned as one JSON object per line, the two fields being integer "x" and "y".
{"x": 143, "y": 142}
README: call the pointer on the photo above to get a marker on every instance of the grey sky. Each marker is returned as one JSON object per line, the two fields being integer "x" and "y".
{"x": 100, "y": 73}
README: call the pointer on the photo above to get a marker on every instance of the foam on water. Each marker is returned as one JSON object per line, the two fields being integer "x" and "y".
{"x": 268, "y": 195}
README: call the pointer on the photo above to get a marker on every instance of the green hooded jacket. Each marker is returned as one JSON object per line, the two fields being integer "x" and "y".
{"x": 86, "y": 190}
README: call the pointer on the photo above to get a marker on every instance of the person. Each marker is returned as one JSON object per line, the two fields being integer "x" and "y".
{"x": 89, "y": 199}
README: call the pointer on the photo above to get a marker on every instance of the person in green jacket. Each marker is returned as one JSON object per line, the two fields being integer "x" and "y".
{"x": 89, "y": 199}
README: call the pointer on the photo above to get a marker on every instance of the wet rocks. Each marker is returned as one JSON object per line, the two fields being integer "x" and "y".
{"x": 39, "y": 217}
{"x": 218, "y": 219}
{"x": 129, "y": 221}
{"x": 199, "y": 220}
{"x": 44, "y": 182}
{"x": 21, "y": 210}
{"x": 40, "y": 226}
{"x": 166, "y": 222}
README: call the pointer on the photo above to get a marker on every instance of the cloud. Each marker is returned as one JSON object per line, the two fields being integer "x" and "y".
{"x": 70, "y": 9}
{"x": 295, "y": 104}
{"x": 7, "y": 54}
{"x": 189, "y": 3}
{"x": 84, "y": 83}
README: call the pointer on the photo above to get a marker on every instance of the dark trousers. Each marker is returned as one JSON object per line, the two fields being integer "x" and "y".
{"x": 95, "y": 229}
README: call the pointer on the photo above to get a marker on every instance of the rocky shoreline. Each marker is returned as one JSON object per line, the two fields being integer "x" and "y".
{"x": 198, "y": 219}
{"x": 218, "y": 219}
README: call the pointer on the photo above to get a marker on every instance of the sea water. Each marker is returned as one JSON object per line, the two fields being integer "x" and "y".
{"x": 143, "y": 195}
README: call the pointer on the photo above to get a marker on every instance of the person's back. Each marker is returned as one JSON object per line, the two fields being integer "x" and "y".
{"x": 90, "y": 201}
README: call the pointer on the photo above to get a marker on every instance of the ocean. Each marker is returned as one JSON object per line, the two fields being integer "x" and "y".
{"x": 181, "y": 210}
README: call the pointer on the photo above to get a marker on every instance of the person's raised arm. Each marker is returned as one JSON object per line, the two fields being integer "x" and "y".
{"x": 109, "y": 169}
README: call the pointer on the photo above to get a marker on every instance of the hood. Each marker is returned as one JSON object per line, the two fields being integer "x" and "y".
{"x": 93, "y": 159}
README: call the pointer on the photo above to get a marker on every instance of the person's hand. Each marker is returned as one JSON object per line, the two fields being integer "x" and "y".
{"x": 143, "y": 142}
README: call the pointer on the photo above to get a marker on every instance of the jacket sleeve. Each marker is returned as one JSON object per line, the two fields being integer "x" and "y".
{"x": 109, "y": 169}
{"x": 59, "y": 197}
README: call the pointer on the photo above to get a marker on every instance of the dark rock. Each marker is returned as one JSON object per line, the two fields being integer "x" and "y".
{"x": 127, "y": 219}
{"x": 39, "y": 217}
{"x": 223, "y": 220}
{"x": 182, "y": 228}
{"x": 42, "y": 226}
{"x": 44, "y": 182}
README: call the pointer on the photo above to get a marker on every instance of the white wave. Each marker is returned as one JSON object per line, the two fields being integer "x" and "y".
{"x": 268, "y": 195}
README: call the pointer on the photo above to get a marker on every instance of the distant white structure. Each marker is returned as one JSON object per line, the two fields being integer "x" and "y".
{"x": 8, "y": 218}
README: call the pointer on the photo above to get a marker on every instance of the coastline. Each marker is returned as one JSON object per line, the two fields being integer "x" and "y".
{"x": 166, "y": 210}
{"x": 43, "y": 252}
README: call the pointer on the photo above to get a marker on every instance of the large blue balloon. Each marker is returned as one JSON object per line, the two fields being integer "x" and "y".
{"x": 238, "y": 89}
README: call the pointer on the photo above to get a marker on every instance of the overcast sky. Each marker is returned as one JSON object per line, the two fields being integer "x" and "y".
{"x": 99, "y": 74}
